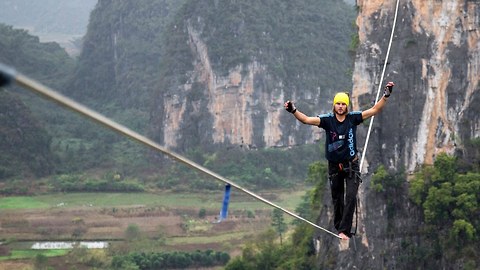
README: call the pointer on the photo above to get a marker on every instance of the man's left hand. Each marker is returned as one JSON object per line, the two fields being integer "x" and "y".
{"x": 388, "y": 89}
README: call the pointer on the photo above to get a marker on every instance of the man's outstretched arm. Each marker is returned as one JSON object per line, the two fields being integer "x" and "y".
{"x": 309, "y": 120}
{"x": 380, "y": 104}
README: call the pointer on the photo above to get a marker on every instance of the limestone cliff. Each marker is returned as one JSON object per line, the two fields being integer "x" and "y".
{"x": 434, "y": 61}
{"x": 227, "y": 99}
{"x": 241, "y": 107}
{"x": 231, "y": 65}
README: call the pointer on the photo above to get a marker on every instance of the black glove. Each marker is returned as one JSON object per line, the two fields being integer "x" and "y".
{"x": 388, "y": 89}
{"x": 290, "y": 107}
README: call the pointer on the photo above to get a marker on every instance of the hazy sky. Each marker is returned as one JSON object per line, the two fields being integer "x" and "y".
{"x": 48, "y": 16}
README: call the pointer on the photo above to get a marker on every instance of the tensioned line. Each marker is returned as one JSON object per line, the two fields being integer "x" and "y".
{"x": 8, "y": 74}
{"x": 380, "y": 85}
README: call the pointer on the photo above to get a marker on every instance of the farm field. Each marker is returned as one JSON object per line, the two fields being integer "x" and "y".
{"x": 166, "y": 199}
{"x": 174, "y": 217}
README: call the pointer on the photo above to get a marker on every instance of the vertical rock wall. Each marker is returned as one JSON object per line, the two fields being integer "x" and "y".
{"x": 243, "y": 107}
{"x": 434, "y": 61}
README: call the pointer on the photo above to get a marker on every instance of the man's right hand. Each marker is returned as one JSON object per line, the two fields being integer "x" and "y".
{"x": 290, "y": 107}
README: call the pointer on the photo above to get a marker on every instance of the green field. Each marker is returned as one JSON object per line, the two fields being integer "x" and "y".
{"x": 206, "y": 239}
{"x": 238, "y": 200}
{"x": 27, "y": 254}
{"x": 22, "y": 202}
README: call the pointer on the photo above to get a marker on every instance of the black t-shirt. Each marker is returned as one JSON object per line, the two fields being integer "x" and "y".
{"x": 341, "y": 137}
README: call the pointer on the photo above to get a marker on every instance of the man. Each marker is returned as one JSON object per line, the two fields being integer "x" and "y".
{"x": 341, "y": 152}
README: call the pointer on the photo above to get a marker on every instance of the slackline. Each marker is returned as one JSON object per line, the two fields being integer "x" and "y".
{"x": 8, "y": 75}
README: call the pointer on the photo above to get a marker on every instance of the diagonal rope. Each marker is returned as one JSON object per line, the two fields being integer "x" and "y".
{"x": 379, "y": 86}
{"x": 8, "y": 74}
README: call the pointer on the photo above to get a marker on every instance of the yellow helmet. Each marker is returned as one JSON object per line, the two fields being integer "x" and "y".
{"x": 342, "y": 98}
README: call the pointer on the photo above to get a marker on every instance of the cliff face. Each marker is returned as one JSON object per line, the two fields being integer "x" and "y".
{"x": 240, "y": 107}
{"x": 232, "y": 65}
{"x": 434, "y": 61}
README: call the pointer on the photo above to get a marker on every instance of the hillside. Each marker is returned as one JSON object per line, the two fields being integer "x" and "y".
{"x": 25, "y": 140}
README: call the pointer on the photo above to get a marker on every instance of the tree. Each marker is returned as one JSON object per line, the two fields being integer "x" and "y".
{"x": 445, "y": 168}
{"x": 238, "y": 264}
{"x": 202, "y": 213}
{"x": 40, "y": 262}
{"x": 462, "y": 230}
{"x": 132, "y": 232}
{"x": 123, "y": 262}
{"x": 378, "y": 178}
{"x": 438, "y": 204}
{"x": 450, "y": 202}
{"x": 278, "y": 222}
{"x": 317, "y": 175}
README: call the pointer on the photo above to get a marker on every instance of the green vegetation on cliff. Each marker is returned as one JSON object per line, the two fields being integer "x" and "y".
{"x": 450, "y": 202}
